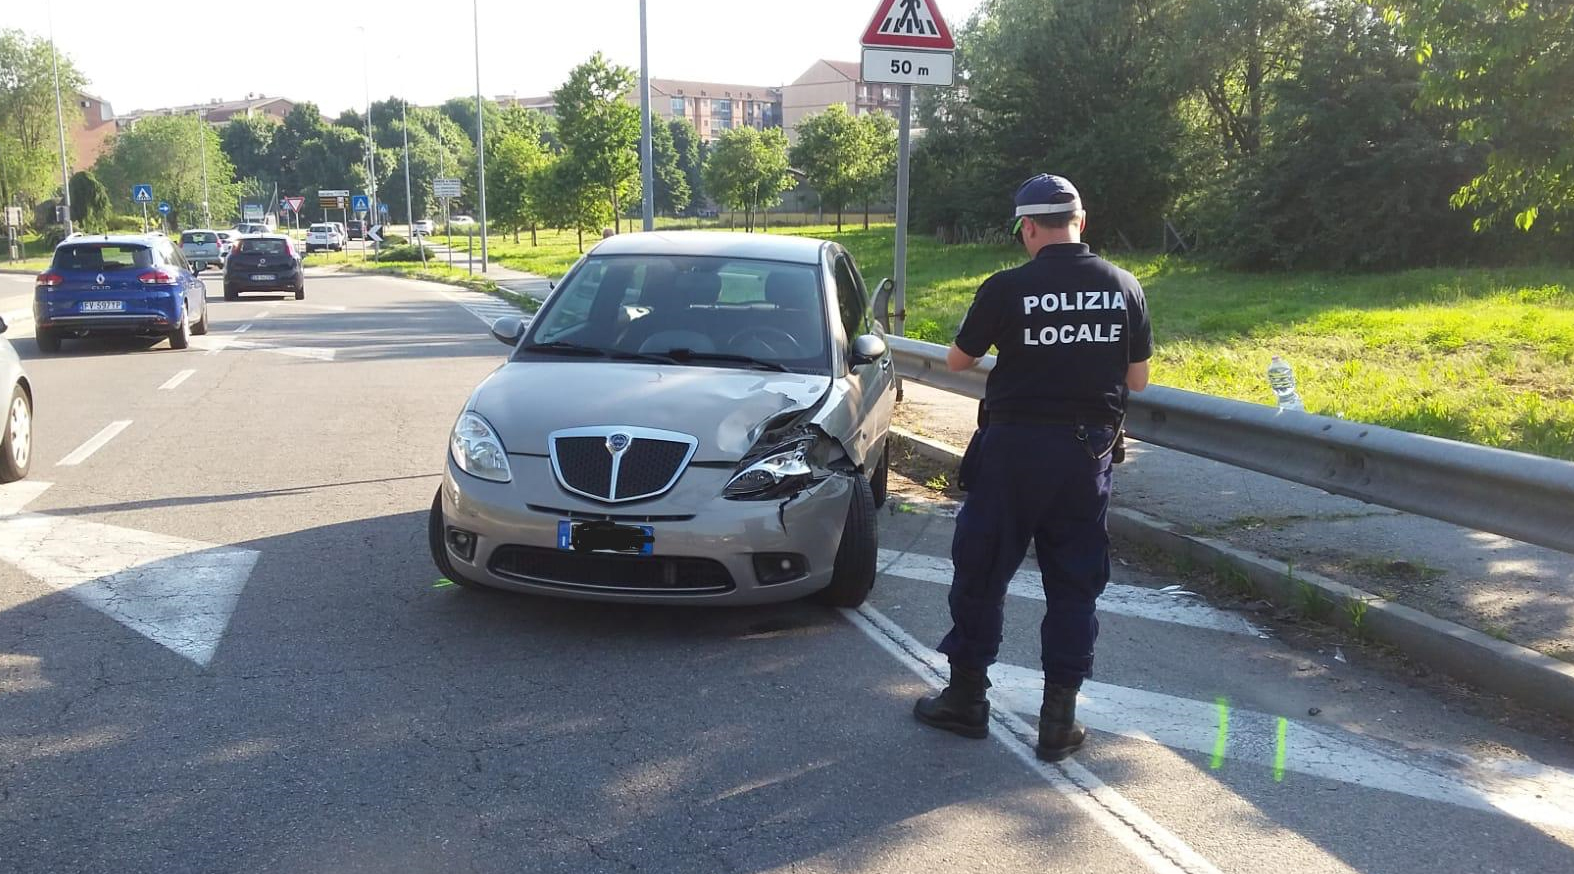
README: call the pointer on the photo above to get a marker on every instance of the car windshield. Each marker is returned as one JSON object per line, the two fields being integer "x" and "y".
{"x": 200, "y": 238}
{"x": 262, "y": 247}
{"x": 103, "y": 256}
{"x": 704, "y": 311}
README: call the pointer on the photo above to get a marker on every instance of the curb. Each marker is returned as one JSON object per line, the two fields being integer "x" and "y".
{"x": 1531, "y": 678}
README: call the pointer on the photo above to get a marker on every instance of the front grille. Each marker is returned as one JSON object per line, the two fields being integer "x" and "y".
{"x": 585, "y": 465}
{"x": 606, "y": 572}
{"x": 648, "y": 463}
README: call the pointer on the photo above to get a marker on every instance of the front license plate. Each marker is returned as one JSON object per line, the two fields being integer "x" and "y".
{"x": 263, "y": 277}
{"x": 605, "y": 537}
{"x": 103, "y": 306}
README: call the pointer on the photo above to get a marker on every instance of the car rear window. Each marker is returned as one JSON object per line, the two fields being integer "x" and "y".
{"x": 321, "y": 229}
{"x": 103, "y": 256}
{"x": 263, "y": 247}
{"x": 196, "y": 237}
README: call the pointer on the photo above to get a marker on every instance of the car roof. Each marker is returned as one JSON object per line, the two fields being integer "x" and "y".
{"x": 766, "y": 247}
{"x": 139, "y": 239}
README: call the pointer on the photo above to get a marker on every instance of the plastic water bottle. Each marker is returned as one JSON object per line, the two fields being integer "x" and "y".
{"x": 1281, "y": 378}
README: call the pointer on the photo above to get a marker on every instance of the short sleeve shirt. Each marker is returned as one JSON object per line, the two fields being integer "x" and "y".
{"x": 1066, "y": 326}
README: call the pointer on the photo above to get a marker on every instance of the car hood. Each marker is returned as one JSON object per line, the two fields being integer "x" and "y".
{"x": 726, "y": 409}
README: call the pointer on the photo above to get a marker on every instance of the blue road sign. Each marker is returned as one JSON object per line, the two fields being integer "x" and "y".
{"x": 361, "y": 203}
{"x": 382, "y": 208}
{"x": 142, "y": 193}
{"x": 163, "y": 207}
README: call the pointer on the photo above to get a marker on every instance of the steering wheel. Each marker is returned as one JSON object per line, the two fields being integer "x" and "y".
{"x": 759, "y": 333}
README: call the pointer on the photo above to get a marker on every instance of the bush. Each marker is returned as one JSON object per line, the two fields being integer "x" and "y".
{"x": 405, "y": 253}
{"x": 53, "y": 235}
{"x": 394, "y": 240}
{"x": 125, "y": 224}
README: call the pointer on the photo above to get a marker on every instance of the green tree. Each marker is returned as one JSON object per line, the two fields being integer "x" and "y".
{"x": 748, "y": 170}
{"x": 691, "y": 163}
{"x": 1508, "y": 68}
{"x": 877, "y": 173}
{"x": 568, "y": 201}
{"x": 600, "y": 129}
{"x": 513, "y": 160}
{"x": 29, "y": 151}
{"x": 672, "y": 184}
{"x": 90, "y": 206}
{"x": 248, "y": 141}
{"x": 1322, "y": 191}
{"x": 163, "y": 150}
{"x": 832, "y": 152}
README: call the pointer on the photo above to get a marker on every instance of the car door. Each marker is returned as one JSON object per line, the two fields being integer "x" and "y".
{"x": 191, "y": 288}
{"x": 872, "y": 386}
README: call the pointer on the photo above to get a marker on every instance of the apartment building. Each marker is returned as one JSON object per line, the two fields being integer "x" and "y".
{"x": 827, "y": 83}
{"x": 713, "y": 107}
{"x": 221, "y": 111}
{"x": 90, "y": 133}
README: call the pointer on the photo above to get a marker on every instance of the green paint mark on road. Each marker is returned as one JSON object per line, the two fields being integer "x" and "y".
{"x": 443, "y": 582}
{"x": 1224, "y": 732}
{"x": 1278, "y": 753}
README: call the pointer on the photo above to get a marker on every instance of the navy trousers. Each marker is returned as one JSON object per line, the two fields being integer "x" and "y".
{"x": 1033, "y": 484}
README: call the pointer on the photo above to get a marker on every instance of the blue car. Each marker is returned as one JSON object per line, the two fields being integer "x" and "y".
{"x": 132, "y": 284}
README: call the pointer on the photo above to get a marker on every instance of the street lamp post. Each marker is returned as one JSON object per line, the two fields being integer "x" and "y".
{"x": 409, "y": 203}
{"x": 646, "y": 158}
{"x": 202, "y": 149}
{"x": 371, "y": 145}
{"x": 60, "y": 121}
{"x": 480, "y": 129}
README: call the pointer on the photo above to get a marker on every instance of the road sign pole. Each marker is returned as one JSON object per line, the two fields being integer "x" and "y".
{"x": 144, "y": 217}
{"x": 480, "y": 129}
{"x": 903, "y": 142}
{"x": 646, "y": 158}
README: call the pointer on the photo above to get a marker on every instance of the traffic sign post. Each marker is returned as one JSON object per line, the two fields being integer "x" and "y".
{"x": 446, "y": 190}
{"x": 163, "y": 211}
{"x": 361, "y": 203}
{"x": 907, "y": 43}
{"x": 143, "y": 194}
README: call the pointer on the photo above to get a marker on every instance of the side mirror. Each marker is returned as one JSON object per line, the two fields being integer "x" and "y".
{"x": 2, "y": 325}
{"x": 867, "y": 349}
{"x": 508, "y": 330}
{"x": 882, "y": 303}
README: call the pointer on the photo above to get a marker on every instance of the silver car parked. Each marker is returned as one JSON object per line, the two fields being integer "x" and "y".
{"x": 691, "y": 417}
{"x": 16, "y": 417}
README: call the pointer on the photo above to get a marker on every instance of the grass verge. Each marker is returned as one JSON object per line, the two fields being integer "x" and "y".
{"x": 447, "y": 276}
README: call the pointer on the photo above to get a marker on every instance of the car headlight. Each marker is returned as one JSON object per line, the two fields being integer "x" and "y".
{"x": 477, "y": 450}
{"x": 783, "y": 471}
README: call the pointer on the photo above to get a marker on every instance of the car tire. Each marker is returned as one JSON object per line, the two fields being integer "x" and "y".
{"x": 180, "y": 338}
{"x": 230, "y": 293}
{"x": 853, "y": 574}
{"x": 434, "y": 539}
{"x": 881, "y": 476}
{"x": 300, "y": 291}
{"x": 48, "y": 341}
{"x": 201, "y": 327}
{"x": 16, "y": 436}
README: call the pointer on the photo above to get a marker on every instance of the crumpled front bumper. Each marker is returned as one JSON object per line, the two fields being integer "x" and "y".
{"x": 691, "y": 521}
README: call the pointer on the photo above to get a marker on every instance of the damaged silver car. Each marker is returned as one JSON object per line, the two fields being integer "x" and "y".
{"x": 695, "y": 417}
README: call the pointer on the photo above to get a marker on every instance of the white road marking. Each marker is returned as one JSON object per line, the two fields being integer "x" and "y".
{"x": 1155, "y": 846}
{"x": 94, "y": 443}
{"x": 243, "y": 328}
{"x": 1527, "y": 790}
{"x": 15, "y": 496}
{"x": 176, "y": 380}
{"x": 1143, "y": 603}
{"x": 178, "y": 593}
{"x": 215, "y": 345}
{"x": 486, "y": 308}
{"x": 17, "y": 317}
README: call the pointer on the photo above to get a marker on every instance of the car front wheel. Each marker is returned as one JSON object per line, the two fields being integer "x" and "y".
{"x": 16, "y": 437}
{"x": 434, "y": 538}
{"x": 853, "y": 574}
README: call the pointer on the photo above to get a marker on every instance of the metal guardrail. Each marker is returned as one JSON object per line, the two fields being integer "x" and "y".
{"x": 1526, "y": 497}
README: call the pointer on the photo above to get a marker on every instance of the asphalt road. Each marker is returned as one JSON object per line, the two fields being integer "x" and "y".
{"x": 222, "y": 648}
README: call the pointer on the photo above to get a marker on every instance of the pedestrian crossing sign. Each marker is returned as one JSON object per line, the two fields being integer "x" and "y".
{"x": 909, "y": 24}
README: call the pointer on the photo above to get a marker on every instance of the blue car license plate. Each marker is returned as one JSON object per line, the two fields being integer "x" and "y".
{"x": 605, "y": 537}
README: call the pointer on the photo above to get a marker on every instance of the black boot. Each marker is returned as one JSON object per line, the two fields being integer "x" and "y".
{"x": 962, "y": 708}
{"x": 1059, "y": 732}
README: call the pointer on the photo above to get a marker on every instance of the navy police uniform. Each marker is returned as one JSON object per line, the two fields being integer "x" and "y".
{"x": 1066, "y": 326}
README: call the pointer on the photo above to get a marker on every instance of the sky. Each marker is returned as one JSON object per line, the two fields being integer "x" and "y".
{"x": 143, "y": 55}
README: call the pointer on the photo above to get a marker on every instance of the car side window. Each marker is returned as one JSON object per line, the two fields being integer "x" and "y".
{"x": 850, "y": 299}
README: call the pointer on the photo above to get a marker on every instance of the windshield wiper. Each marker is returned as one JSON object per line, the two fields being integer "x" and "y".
{"x": 682, "y": 355}
{"x": 558, "y": 347}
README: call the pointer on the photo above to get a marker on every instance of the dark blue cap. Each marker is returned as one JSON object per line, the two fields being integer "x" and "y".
{"x": 1046, "y": 195}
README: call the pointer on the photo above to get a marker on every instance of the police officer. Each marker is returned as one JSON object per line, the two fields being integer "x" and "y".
{"x": 1073, "y": 338}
